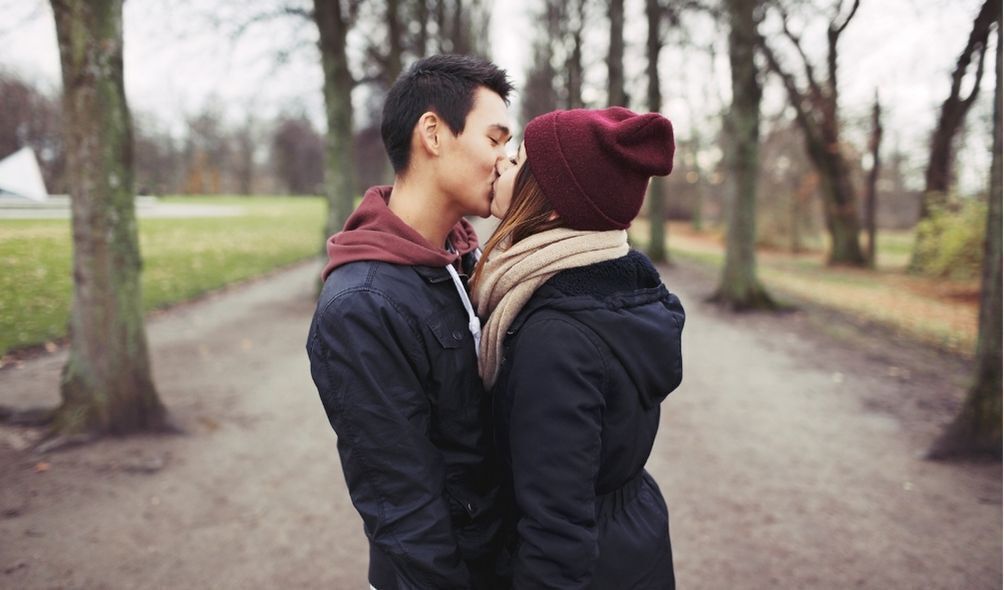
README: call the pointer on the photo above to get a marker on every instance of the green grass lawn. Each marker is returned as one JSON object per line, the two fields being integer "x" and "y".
{"x": 182, "y": 258}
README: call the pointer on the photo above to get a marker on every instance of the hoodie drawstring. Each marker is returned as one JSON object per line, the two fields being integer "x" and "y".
{"x": 473, "y": 323}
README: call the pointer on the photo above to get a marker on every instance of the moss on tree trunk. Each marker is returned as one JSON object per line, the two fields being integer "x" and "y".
{"x": 739, "y": 288}
{"x": 106, "y": 383}
{"x": 339, "y": 178}
{"x": 977, "y": 428}
{"x": 656, "y": 205}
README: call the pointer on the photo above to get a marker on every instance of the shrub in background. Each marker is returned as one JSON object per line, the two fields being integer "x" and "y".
{"x": 950, "y": 241}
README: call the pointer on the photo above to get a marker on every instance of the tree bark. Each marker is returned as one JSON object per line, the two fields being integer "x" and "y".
{"x": 817, "y": 114}
{"x": 938, "y": 175}
{"x": 106, "y": 381}
{"x": 977, "y": 428}
{"x": 332, "y": 25}
{"x": 573, "y": 63}
{"x": 871, "y": 191}
{"x": 615, "y": 57}
{"x": 443, "y": 44}
{"x": 461, "y": 40}
{"x": 656, "y": 203}
{"x": 739, "y": 288}
{"x": 395, "y": 42}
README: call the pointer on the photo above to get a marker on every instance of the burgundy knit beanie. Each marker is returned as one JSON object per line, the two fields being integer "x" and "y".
{"x": 594, "y": 165}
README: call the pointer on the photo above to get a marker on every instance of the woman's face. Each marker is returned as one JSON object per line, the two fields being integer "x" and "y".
{"x": 507, "y": 170}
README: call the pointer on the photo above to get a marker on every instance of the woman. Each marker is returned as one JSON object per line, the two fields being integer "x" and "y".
{"x": 581, "y": 345}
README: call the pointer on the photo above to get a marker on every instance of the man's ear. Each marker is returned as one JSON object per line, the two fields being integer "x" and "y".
{"x": 429, "y": 130}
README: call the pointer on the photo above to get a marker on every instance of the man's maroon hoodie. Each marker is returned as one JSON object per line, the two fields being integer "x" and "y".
{"x": 374, "y": 232}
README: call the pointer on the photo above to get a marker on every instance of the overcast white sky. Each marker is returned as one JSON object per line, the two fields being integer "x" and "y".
{"x": 177, "y": 63}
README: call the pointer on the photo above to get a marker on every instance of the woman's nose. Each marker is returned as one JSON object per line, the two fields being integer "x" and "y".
{"x": 502, "y": 165}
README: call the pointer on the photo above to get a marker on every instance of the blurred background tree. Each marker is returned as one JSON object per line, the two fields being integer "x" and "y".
{"x": 106, "y": 385}
{"x": 304, "y": 117}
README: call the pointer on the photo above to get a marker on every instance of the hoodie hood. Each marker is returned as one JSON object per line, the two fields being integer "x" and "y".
{"x": 374, "y": 232}
{"x": 625, "y": 303}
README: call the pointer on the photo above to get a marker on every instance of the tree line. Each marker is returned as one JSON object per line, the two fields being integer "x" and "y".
{"x": 208, "y": 155}
{"x": 103, "y": 394}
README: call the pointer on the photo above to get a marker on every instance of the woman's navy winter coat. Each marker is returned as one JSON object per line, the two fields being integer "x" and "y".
{"x": 585, "y": 366}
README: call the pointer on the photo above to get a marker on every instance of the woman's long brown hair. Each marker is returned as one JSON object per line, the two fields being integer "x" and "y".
{"x": 529, "y": 213}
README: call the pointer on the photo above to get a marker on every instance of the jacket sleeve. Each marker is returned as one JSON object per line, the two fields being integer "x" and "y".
{"x": 557, "y": 407}
{"x": 363, "y": 353}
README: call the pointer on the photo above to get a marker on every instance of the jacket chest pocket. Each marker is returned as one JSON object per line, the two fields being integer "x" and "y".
{"x": 449, "y": 334}
{"x": 453, "y": 363}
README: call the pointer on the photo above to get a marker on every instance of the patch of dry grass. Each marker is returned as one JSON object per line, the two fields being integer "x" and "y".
{"x": 939, "y": 312}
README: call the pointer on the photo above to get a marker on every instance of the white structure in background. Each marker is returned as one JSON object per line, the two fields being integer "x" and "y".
{"x": 20, "y": 176}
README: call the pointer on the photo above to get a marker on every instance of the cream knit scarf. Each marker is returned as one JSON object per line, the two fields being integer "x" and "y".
{"x": 511, "y": 275}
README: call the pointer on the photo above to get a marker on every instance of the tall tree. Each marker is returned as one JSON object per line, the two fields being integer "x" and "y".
{"x": 938, "y": 175}
{"x": 615, "y": 56}
{"x": 977, "y": 428}
{"x": 739, "y": 287}
{"x": 395, "y": 42}
{"x": 297, "y": 155}
{"x": 871, "y": 188}
{"x": 332, "y": 21}
{"x": 576, "y": 23}
{"x": 654, "y": 14}
{"x": 106, "y": 383}
{"x": 540, "y": 91}
{"x": 817, "y": 114}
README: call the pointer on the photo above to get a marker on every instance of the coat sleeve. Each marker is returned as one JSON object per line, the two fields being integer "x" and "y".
{"x": 363, "y": 353}
{"x": 557, "y": 407}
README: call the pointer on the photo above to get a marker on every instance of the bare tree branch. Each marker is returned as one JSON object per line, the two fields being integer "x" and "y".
{"x": 263, "y": 17}
{"x": 795, "y": 96}
{"x": 968, "y": 101}
{"x": 854, "y": 9}
{"x": 817, "y": 93}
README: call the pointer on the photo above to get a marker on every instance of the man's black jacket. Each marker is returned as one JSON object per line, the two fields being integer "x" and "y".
{"x": 396, "y": 370}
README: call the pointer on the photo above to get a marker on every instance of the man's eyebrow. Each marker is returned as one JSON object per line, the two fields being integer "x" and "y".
{"x": 503, "y": 129}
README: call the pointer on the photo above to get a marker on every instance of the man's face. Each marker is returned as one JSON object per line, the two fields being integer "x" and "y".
{"x": 469, "y": 161}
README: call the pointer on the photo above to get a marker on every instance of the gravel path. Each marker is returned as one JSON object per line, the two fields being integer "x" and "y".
{"x": 790, "y": 458}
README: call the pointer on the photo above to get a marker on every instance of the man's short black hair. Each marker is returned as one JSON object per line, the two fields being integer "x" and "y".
{"x": 443, "y": 84}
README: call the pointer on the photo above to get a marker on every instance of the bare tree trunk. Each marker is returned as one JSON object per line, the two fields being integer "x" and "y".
{"x": 871, "y": 191}
{"x": 697, "y": 217}
{"x": 615, "y": 58}
{"x": 106, "y": 382}
{"x": 461, "y": 40}
{"x": 539, "y": 93}
{"x": 573, "y": 64}
{"x": 938, "y": 175}
{"x": 339, "y": 183}
{"x": 656, "y": 204}
{"x": 395, "y": 42}
{"x": 816, "y": 111}
{"x": 443, "y": 44}
{"x": 977, "y": 428}
{"x": 739, "y": 288}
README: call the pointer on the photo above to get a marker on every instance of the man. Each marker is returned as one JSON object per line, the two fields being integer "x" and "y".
{"x": 392, "y": 345}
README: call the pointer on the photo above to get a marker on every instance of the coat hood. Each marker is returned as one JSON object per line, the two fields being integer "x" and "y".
{"x": 374, "y": 232}
{"x": 625, "y": 303}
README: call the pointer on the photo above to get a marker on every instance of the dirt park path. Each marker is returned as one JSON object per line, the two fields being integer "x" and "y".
{"x": 789, "y": 457}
